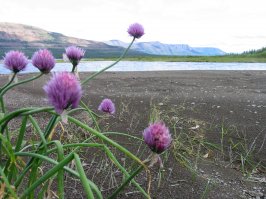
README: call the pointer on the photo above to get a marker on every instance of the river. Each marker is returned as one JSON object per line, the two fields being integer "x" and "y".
{"x": 127, "y": 66}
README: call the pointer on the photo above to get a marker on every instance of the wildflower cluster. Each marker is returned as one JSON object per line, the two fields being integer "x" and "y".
{"x": 64, "y": 93}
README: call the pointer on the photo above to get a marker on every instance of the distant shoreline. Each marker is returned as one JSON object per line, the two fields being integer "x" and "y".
{"x": 217, "y": 59}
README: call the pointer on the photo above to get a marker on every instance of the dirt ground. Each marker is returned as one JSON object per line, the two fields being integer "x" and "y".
{"x": 201, "y": 102}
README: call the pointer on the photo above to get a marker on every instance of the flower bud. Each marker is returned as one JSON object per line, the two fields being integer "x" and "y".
{"x": 43, "y": 60}
{"x": 136, "y": 30}
{"x": 63, "y": 91}
{"x": 107, "y": 106}
{"x": 15, "y": 61}
{"x": 157, "y": 137}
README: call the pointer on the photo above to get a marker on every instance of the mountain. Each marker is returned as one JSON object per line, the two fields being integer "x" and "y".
{"x": 29, "y": 39}
{"x": 158, "y": 48}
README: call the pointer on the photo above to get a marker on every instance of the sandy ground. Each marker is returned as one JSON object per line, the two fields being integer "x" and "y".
{"x": 212, "y": 99}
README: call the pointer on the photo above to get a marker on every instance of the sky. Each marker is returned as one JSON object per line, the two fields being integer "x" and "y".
{"x": 231, "y": 25}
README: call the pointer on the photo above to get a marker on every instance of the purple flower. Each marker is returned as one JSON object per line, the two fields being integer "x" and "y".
{"x": 63, "y": 90}
{"x": 136, "y": 30}
{"x": 157, "y": 137}
{"x": 107, "y": 106}
{"x": 43, "y": 60}
{"x": 15, "y": 61}
{"x": 74, "y": 54}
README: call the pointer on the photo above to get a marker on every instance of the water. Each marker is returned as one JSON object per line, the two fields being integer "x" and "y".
{"x": 148, "y": 66}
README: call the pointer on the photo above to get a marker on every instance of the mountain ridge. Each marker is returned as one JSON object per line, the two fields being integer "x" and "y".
{"x": 29, "y": 39}
{"x": 158, "y": 48}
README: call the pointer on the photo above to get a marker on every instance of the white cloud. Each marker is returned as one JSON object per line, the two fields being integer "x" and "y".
{"x": 218, "y": 23}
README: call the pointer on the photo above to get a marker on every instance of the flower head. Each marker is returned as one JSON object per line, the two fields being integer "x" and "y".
{"x": 157, "y": 137}
{"x": 43, "y": 60}
{"x": 74, "y": 54}
{"x": 107, "y": 106}
{"x": 63, "y": 90}
{"x": 15, "y": 61}
{"x": 136, "y": 30}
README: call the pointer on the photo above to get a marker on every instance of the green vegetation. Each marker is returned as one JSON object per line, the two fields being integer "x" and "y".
{"x": 253, "y": 56}
{"x": 224, "y": 59}
{"x": 256, "y": 53}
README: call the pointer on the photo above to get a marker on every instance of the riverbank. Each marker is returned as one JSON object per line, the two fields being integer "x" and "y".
{"x": 224, "y": 112}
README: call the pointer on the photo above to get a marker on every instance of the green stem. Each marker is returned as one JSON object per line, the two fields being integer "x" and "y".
{"x": 47, "y": 132}
{"x": 11, "y": 115}
{"x": 2, "y": 105}
{"x": 47, "y": 175}
{"x": 7, "y": 184}
{"x": 6, "y": 88}
{"x": 18, "y": 83}
{"x": 109, "y": 154}
{"x": 38, "y": 129}
{"x": 106, "y": 68}
{"x": 76, "y": 174}
{"x": 104, "y": 138}
{"x": 60, "y": 175}
{"x": 83, "y": 177}
{"x": 12, "y": 169}
{"x": 11, "y": 80}
{"x": 4, "y": 121}
{"x": 91, "y": 115}
{"x": 73, "y": 68}
{"x": 125, "y": 183}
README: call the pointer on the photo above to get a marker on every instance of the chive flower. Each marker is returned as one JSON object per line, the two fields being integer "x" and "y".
{"x": 15, "y": 61}
{"x": 43, "y": 60}
{"x": 74, "y": 54}
{"x": 136, "y": 30}
{"x": 107, "y": 106}
{"x": 157, "y": 137}
{"x": 63, "y": 91}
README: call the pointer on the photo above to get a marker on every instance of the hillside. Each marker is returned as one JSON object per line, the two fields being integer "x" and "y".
{"x": 29, "y": 39}
{"x": 158, "y": 48}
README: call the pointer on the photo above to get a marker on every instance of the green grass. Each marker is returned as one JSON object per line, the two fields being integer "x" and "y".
{"x": 222, "y": 59}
